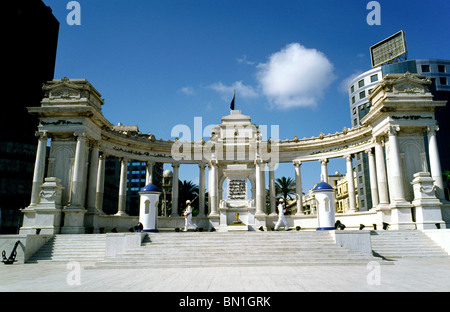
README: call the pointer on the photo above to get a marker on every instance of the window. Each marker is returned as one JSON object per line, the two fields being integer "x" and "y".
{"x": 359, "y": 168}
{"x": 443, "y": 80}
{"x": 361, "y": 83}
{"x": 352, "y": 89}
{"x": 362, "y": 94}
{"x": 374, "y": 78}
{"x": 355, "y": 122}
{"x": 441, "y": 68}
{"x": 354, "y": 110}
{"x": 370, "y": 91}
{"x": 353, "y": 100}
{"x": 426, "y": 68}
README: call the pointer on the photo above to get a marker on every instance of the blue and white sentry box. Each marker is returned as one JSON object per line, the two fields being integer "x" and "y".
{"x": 324, "y": 194}
{"x": 148, "y": 208}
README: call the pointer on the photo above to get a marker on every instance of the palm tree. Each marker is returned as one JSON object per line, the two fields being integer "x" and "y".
{"x": 187, "y": 190}
{"x": 285, "y": 187}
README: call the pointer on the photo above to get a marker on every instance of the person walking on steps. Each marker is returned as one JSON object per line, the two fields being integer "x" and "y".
{"x": 188, "y": 217}
{"x": 281, "y": 217}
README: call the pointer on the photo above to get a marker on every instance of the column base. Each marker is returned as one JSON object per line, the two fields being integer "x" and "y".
{"x": 73, "y": 221}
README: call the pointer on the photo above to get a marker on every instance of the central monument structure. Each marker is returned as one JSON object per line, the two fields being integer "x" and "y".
{"x": 398, "y": 135}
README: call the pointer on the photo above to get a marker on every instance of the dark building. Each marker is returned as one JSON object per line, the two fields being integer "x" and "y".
{"x": 29, "y": 44}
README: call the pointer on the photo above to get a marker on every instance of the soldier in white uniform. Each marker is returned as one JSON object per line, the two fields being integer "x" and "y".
{"x": 188, "y": 217}
{"x": 281, "y": 217}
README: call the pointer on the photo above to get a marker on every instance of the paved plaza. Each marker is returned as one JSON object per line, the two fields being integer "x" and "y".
{"x": 404, "y": 275}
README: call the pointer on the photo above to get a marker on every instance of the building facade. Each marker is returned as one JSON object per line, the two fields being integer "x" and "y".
{"x": 29, "y": 44}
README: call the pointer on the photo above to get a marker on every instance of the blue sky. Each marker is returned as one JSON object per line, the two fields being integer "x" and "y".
{"x": 160, "y": 63}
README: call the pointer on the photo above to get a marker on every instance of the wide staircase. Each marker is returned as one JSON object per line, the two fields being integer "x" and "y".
{"x": 404, "y": 244}
{"x": 193, "y": 249}
{"x": 198, "y": 249}
{"x": 68, "y": 247}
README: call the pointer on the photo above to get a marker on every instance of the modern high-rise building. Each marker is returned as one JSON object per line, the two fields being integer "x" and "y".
{"x": 29, "y": 44}
{"x": 438, "y": 71}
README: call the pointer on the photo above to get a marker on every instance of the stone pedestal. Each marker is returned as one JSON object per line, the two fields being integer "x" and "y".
{"x": 427, "y": 205}
{"x": 46, "y": 214}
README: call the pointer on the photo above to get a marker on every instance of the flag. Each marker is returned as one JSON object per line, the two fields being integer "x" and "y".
{"x": 232, "y": 102}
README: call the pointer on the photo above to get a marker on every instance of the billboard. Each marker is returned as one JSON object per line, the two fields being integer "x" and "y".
{"x": 388, "y": 49}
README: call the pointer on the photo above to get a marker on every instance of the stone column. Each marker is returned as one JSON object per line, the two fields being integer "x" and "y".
{"x": 39, "y": 167}
{"x": 149, "y": 172}
{"x": 435, "y": 162}
{"x": 175, "y": 189}
{"x": 92, "y": 182}
{"x": 123, "y": 187}
{"x": 351, "y": 184}
{"x": 78, "y": 194}
{"x": 263, "y": 187}
{"x": 381, "y": 173}
{"x": 74, "y": 213}
{"x": 395, "y": 169}
{"x": 298, "y": 187}
{"x": 100, "y": 183}
{"x": 259, "y": 196}
{"x": 373, "y": 178}
{"x": 201, "y": 190}
{"x": 272, "y": 189}
{"x": 213, "y": 189}
{"x": 323, "y": 170}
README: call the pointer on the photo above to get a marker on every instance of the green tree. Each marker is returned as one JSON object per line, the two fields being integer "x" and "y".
{"x": 187, "y": 190}
{"x": 285, "y": 187}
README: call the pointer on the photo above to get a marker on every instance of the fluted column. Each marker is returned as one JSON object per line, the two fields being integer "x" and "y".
{"x": 272, "y": 193}
{"x": 201, "y": 190}
{"x": 435, "y": 162}
{"x": 351, "y": 184}
{"x": 123, "y": 187}
{"x": 100, "y": 182}
{"x": 298, "y": 187}
{"x": 373, "y": 178}
{"x": 78, "y": 194}
{"x": 381, "y": 173}
{"x": 175, "y": 189}
{"x": 259, "y": 196}
{"x": 395, "y": 168}
{"x": 149, "y": 172}
{"x": 39, "y": 167}
{"x": 323, "y": 170}
{"x": 92, "y": 180}
{"x": 213, "y": 189}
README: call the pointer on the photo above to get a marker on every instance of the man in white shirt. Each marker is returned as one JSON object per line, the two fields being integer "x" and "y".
{"x": 188, "y": 217}
{"x": 281, "y": 217}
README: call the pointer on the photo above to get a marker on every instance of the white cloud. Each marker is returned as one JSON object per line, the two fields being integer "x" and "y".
{"x": 295, "y": 77}
{"x": 243, "y": 60}
{"x": 187, "y": 90}
{"x": 242, "y": 90}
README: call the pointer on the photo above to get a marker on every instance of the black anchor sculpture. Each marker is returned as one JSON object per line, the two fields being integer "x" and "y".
{"x": 12, "y": 257}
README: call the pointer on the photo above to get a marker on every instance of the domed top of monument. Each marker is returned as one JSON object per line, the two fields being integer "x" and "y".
{"x": 236, "y": 118}
{"x": 323, "y": 187}
{"x": 149, "y": 188}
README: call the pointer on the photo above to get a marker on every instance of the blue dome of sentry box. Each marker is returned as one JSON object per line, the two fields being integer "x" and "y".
{"x": 149, "y": 188}
{"x": 323, "y": 187}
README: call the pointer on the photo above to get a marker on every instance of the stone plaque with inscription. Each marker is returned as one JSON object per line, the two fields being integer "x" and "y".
{"x": 237, "y": 189}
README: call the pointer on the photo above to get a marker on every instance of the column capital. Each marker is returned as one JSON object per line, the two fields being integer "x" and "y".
{"x": 202, "y": 165}
{"x": 323, "y": 160}
{"x": 42, "y": 134}
{"x": 175, "y": 165}
{"x": 102, "y": 156}
{"x": 297, "y": 163}
{"x": 393, "y": 130}
{"x": 348, "y": 157}
{"x": 369, "y": 151}
{"x": 432, "y": 129}
{"x": 379, "y": 140}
